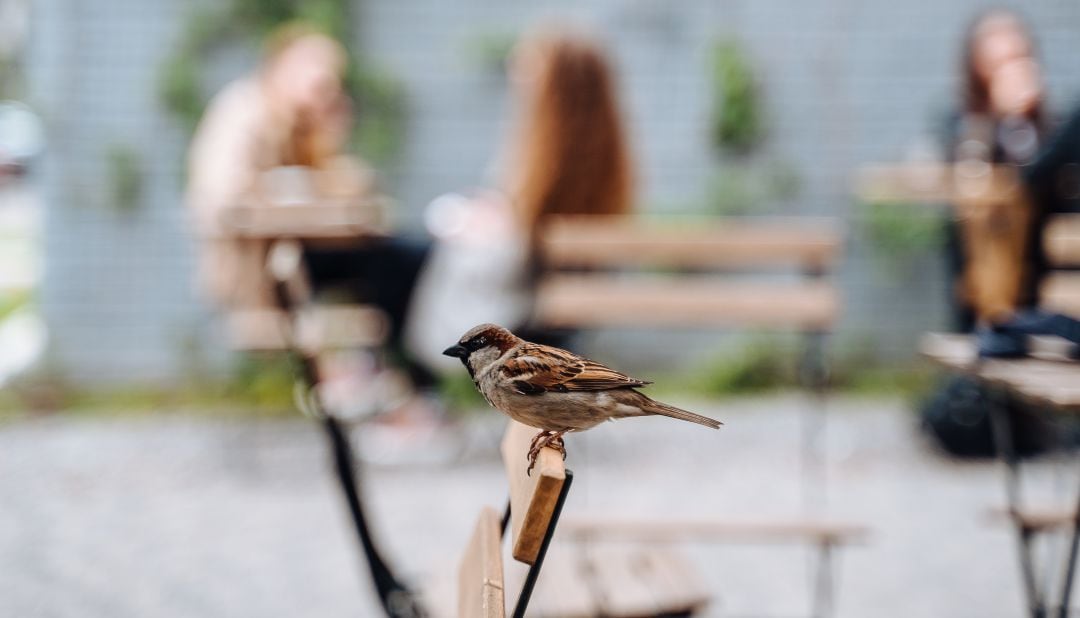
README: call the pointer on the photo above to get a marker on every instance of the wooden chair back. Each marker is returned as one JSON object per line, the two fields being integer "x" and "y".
{"x": 1060, "y": 290}
{"x": 481, "y": 586}
{"x": 626, "y": 271}
{"x": 534, "y": 496}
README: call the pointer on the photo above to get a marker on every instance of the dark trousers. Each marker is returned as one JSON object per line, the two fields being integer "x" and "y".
{"x": 382, "y": 273}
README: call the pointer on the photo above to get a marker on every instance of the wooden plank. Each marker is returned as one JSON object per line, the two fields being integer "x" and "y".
{"x": 601, "y": 300}
{"x": 481, "y": 587}
{"x": 1060, "y": 292}
{"x": 564, "y": 589}
{"x": 319, "y": 327}
{"x": 532, "y": 497}
{"x": 1047, "y": 376}
{"x": 1037, "y": 520}
{"x": 667, "y": 531}
{"x": 319, "y": 220}
{"x": 811, "y": 243}
{"x": 642, "y": 581}
{"x": 1061, "y": 239}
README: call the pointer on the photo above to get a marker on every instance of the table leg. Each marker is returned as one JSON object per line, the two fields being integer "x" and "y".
{"x": 1002, "y": 428}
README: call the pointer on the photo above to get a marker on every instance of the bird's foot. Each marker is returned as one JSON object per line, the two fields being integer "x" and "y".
{"x": 544, "y": 439}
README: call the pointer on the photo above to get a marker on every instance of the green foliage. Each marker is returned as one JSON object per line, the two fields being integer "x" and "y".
{"x": 742, "y": 189}
{"x": 380, "y": 98}
{"x": 256, "y": 385}
{"x": 125, "y": 177}
{"x": 737, "y": 122}
{"x": 179, "y": 85}
{"x": 898, "y": 232}
{"x": 761, "y": 365}
{"x": 383, "y": 114}
{"x": 490, "y": 51}
{"x": 13, "y": 301}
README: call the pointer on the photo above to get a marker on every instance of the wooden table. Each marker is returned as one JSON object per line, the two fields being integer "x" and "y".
{"x": 1047, "y": 377}
{"x": 329, "y": 223}
{"x": 324, "y": 220}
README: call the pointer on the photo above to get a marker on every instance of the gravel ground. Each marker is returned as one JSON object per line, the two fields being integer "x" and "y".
{"x": 170, "y": 515}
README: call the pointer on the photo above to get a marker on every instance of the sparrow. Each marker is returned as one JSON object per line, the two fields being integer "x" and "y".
{"x": 551, "y": 389}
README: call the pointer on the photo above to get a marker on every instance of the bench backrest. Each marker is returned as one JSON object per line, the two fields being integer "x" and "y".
{"x": 1061, "y": 239}
{"x": 315, "y": 327}
{"x": 812, "y": 244}
{"x": 481, "y": 586}
{"x": 625, "y": 271}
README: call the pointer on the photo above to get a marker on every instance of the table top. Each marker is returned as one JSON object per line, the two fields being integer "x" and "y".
{"x": 317, "y": 220}
{"x": 1047, "y": 376}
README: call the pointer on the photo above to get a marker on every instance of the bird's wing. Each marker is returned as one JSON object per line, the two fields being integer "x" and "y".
{"x": 537, "y": 369}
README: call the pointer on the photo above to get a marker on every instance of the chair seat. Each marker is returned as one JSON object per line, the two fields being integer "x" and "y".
{"x": 617, "y": 581}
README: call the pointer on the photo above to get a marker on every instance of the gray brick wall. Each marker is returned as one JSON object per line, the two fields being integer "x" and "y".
{"x": 845, "y": 83}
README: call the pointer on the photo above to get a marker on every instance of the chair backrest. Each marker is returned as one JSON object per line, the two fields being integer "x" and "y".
{"x": 1061, "y": 239}
{"x": 627, "y": 271}
{"x": 481, "y": 586}
{"x": 297, "y": 321}
{"x": 533, "y": 497}
{"x": 812, "y": 244}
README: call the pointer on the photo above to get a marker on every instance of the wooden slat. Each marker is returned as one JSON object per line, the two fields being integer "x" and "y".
{"x": 813, "y": 244}
{"x": 643, "y": 581}
{"x": 564, "y": 589}
{"x": 1047, "y": 376}
{"x": 532, "y": 498}
{"x": 1037, "y": 520}
{"x": 596, "y": 300}
{"x": 481, "y": 587}
{"x": 1061, "y": 238}
{"x": 1060, "y": 292}
{"x": 667, "y": 531}
{"x": 320, "y": 327}
{"x": 323, "y": 220}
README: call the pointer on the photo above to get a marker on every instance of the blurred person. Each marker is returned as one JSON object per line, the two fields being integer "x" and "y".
{"x": 568, "y": 155}
{"x": 291, "y": 112}
{"x": 1001, "y": 122}
{"x": 279, "y": 135}
{"x": 993, "y": 248}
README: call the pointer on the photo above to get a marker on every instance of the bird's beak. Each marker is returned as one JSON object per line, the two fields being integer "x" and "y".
{"x": 456, "y": 350}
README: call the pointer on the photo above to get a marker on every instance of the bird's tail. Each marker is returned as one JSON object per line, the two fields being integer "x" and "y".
{"x": 663, "y": 409}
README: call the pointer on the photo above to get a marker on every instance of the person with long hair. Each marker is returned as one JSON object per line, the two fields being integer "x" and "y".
{"x": 1001, "y": 121}
{"x": 568, "y": 155}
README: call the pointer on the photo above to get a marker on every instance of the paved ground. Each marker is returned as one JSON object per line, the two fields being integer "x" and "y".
{"x": 179, "y": 516}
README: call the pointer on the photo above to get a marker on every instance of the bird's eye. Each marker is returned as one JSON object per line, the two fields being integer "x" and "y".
{"x": 481, "y": 341}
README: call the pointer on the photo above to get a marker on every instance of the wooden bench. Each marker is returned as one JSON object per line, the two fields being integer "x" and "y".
{"x": 609, "y": 294}
{"x": 749, "y": 273}
{"x": 1049, "y": 378}
{"x": 627, "y": 584}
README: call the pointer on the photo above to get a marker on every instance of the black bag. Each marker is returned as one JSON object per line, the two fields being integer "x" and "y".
{"x": 957, "y": 415}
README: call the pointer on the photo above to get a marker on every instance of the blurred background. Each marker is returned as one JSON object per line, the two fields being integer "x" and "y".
{"x": 152, "y": 458}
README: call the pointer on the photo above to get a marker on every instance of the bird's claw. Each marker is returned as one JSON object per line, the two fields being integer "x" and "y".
{"x": 550, "y": 439}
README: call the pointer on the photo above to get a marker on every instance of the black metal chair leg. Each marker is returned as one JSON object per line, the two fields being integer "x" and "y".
{"x": 534, "y": 570}
{"x": 1002, "y": 430}
{"x": 397, "y": 599}
{"x": 1070, "y": 564}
